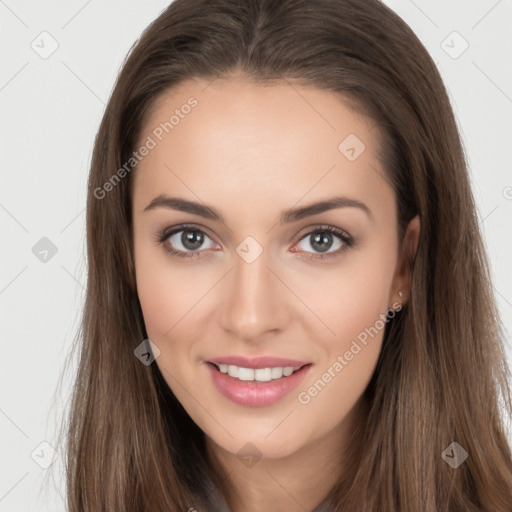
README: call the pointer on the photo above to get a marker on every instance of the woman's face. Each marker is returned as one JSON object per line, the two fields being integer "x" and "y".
{"x": 256, "y": 273}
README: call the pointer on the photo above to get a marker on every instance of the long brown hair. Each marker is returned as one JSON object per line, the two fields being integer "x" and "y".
{"x": 442, "y": 372}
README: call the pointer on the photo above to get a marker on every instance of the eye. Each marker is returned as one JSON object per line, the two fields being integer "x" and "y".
{"x": 184, "y": 241}
{"x": 189, "y": 242}
{"x": 323, "y": 239}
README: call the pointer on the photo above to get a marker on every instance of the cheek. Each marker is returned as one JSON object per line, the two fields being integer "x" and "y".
{"x": 350, "y": 299}
{"x": 360, "y": 311}
{"x": 167, "y": 301}
{"x": 157, "y": 300}
{"x": 347, "y": 363}
{"x": 166, "y": 293}
{"x": 353, "y": 306}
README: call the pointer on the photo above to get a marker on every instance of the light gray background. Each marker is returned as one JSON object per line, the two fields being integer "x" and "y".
{"x": 50, "y": 111}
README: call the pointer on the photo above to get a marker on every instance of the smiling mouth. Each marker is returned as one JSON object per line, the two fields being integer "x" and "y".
{"x": 257, "y": 374}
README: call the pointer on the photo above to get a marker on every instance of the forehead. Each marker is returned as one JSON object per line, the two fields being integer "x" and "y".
{"x": 232, "y": 138}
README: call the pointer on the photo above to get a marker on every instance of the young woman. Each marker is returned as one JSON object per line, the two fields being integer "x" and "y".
{"x": 289, "y": 305}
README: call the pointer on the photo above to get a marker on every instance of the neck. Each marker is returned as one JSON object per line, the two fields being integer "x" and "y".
{"x": 297, "y": 482}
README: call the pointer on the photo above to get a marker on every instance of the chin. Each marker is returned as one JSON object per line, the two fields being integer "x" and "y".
{"x": 256, "y": 445}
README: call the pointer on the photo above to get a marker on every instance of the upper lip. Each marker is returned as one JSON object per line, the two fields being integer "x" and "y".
{"x": 258, "y": 362}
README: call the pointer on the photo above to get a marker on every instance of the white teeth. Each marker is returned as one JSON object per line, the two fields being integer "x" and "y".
{"x": 277, "y": 372}
{"x": 287, "y": 371}
{"x": 258, "y": 374}
{"x": 263, "y": 374}
{"x": 232, "y": 370}
{"x": 245, "y": 373}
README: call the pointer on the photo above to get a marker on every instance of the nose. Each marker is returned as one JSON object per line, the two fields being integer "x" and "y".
{"x": 254, "y": 301}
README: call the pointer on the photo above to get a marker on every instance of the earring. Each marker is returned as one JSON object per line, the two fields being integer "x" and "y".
{"x": 400, "y": 295}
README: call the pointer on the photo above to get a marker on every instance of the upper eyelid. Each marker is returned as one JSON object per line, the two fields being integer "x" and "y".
{"x": 327, "y": 227}
{"x": 172, "y": 230}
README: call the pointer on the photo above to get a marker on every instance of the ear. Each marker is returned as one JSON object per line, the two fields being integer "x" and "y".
{"x": 403, "y": 272}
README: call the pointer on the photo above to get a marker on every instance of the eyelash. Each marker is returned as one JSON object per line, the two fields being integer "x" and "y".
{"x": 165, "y": 234}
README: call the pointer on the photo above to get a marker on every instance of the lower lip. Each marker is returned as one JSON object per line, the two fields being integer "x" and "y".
{"x": 254, "y": 393}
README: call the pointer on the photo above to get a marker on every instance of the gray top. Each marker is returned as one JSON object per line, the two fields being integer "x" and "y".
{"x": 219, "y": 503}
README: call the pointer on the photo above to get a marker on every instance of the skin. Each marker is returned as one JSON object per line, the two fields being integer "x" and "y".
{"x": 251, "y": 152}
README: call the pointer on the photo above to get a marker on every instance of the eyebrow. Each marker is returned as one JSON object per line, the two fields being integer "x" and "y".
{"x": 289, "y": 216}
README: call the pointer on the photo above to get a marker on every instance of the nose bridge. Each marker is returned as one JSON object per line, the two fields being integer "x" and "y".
{"x": 253, "y": 302}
